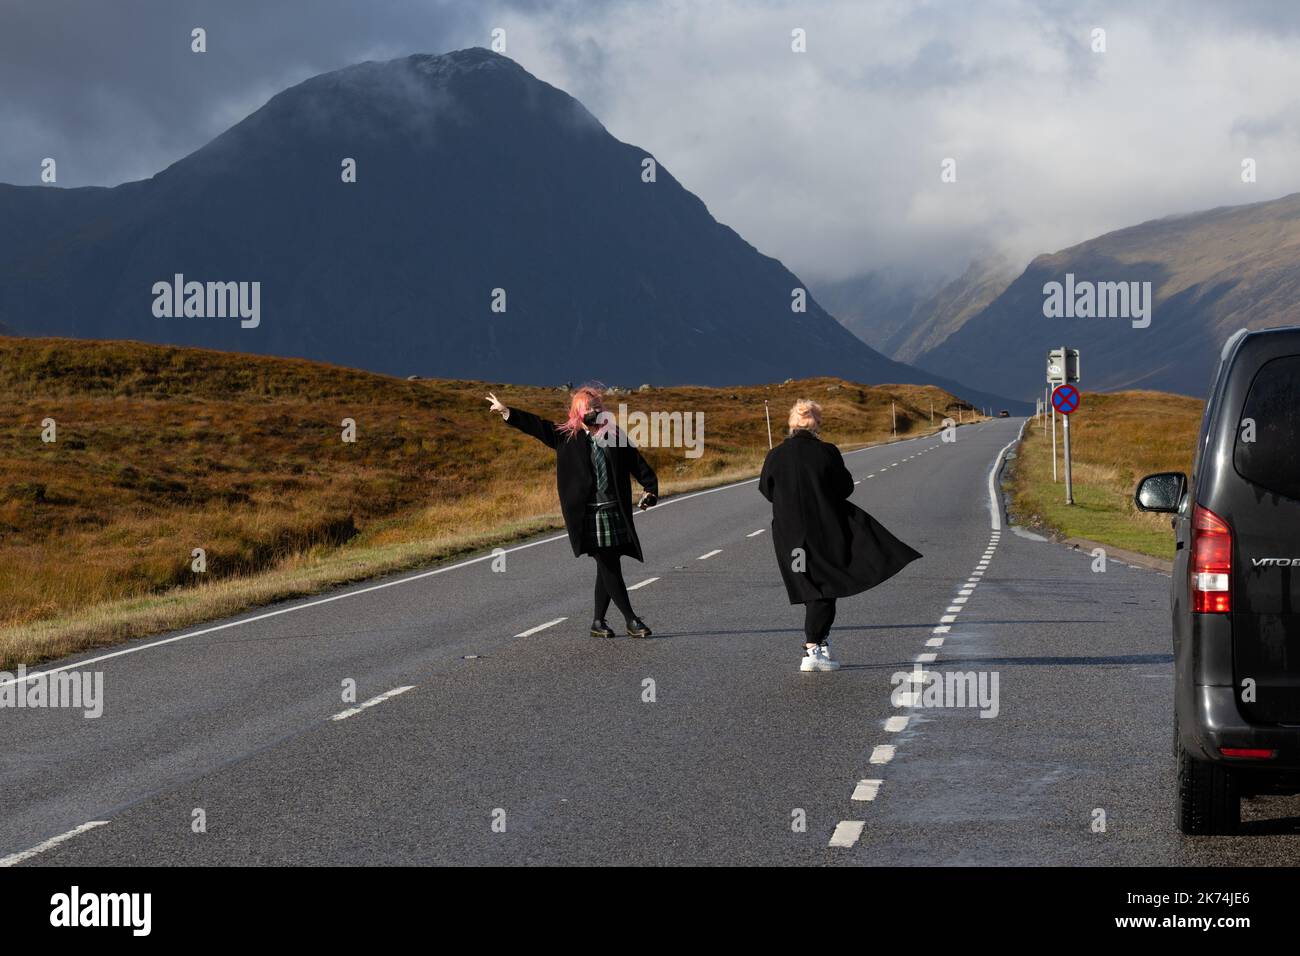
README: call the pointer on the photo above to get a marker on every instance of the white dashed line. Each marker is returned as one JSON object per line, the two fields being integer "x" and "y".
{"x": 641, "y": 584}
{"x": 705, "y": 557}
{"x": 934, "y": 642}
{"x": 894, "y": 724}
{"x": 926, "y": 658}
{"x": 882, "y": 754}
{"x": 386, "y": 695}
{"x": 541, "y": 627}
{"x": 15, "y": 858}
{"x": 867, "y": 789}
{"x": 846, "y": 833}
{"x": 755, "y": 534}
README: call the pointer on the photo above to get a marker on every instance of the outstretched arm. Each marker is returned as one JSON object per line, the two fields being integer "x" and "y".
{"x": 526, "y": 422}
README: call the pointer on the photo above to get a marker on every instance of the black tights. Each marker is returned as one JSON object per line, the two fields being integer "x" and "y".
{"x": 818, "y": 617}
{"x": 609, "y": 584}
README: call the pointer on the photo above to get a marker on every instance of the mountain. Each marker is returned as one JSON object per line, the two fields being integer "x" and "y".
{"x": 877, "y": 307}
{"x": 1210, "y": 273}
{"x": 472, "y": 176}
{"x": 905, "y": 316}
{"x": 937, "y": 317}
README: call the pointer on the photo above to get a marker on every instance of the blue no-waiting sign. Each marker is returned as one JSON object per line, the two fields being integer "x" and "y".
{"x": 1065, "y": 399}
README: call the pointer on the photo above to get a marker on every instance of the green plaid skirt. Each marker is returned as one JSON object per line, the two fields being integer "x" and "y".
{"x": 605, "y": 527}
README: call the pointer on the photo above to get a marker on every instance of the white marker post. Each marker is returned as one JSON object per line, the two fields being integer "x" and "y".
{"x": 768, "y": 412}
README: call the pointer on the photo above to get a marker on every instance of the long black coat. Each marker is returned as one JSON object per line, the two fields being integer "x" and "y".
{"x": 575, "y": 479}
{"x": 844, "y": 549}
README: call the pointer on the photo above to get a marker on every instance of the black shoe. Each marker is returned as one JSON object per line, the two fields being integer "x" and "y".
{"x": 637, "y": 628}
{"x": 600, "y": 629}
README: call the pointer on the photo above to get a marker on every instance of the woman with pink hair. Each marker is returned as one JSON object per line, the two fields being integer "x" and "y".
{"x": 594, "y": 465}
{"x": 826, "y": 547}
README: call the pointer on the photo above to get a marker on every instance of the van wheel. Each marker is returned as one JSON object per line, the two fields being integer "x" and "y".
{"x": 1208, "y": 799}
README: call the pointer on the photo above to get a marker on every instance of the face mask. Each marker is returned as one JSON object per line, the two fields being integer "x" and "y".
{"x": 591, "y": 418}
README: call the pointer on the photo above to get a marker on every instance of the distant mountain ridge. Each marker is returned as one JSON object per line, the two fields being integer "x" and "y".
{"x": 903, "y": 317}
{"x": 476, "y": 184}
{"x": 1211, "y": 273}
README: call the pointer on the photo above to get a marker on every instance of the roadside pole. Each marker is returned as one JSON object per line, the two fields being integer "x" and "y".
{"x": 1069, "y": 484}
{"x": 893, "y": 415}
{"x": 768, "y": 412}
{"x": 1054, "y": 441}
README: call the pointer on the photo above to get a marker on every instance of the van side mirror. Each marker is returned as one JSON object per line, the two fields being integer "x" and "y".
{"x": 1161, "y": 492}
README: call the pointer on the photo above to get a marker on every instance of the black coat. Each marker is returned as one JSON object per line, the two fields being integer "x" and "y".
{"x": 575, "y": 479}
{"x": 844, "y": 549}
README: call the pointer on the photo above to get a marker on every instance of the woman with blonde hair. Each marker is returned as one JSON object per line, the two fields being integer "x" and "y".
{"x": 594, "y": 464}
{"x": 826, "y": 547}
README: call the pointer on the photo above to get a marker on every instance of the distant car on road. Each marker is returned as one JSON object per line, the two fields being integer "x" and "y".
{"x": 1235, "y": 595}
{"x": 1004, "y": 414}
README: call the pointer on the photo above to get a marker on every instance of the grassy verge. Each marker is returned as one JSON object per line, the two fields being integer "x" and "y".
{"x": 1115, "y": 439}
{"x": 162, "y": 450}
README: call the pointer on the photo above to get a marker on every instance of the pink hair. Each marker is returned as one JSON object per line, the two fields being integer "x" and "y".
{"x": 579, "y": 404}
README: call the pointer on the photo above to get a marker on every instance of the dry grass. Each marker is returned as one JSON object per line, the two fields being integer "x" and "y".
{"x": 1115, "y": 439}
{"x": 162, "y": 450}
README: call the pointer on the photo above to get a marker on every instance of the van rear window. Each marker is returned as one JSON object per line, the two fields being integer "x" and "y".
{"x": 1272, "y": 459}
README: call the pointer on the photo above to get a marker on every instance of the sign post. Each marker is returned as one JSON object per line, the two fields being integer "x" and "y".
{"x": 1062, "y": 369}
{"x": 1066, "y": 399}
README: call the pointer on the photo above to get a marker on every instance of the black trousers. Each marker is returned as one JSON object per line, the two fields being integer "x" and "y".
{"x": 818, "y": 616}
{"x": 609, "y": 583}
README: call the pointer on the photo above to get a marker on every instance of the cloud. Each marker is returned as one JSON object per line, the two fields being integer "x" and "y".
{"x": 829, "y": 159}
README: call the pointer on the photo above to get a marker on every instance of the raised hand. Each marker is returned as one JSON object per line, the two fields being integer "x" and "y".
{"x": 497, "y": 406}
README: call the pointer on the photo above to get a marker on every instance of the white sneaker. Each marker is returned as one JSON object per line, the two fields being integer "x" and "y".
{"x": 818, "y": 659}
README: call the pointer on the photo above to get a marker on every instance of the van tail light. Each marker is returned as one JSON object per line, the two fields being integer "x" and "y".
{"x": 1248, "y": 753}
{"x": 1211, "y": 564}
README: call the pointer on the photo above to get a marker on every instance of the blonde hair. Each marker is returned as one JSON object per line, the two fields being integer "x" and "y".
{"x": 805, "y": 414}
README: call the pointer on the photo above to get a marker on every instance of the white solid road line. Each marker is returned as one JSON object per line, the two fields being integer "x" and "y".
{"x": 541, "y": 627}
{"x": 641, "y": 584}
{"x": 15, "y": 858}
{"x": 705, "y": 557}
{"x": 353, "y": 711}
{"x": 995, "y": 508}
{"x": 846, "y": 833}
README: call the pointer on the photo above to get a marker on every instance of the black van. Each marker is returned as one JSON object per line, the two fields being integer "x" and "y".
{"x": 1236, "y": 585}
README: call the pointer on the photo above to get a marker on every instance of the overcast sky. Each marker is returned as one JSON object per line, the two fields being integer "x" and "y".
{"x": 828, "y": 159}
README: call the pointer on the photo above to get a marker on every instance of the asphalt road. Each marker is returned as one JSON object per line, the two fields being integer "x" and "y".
{"x": 703, "y": 744}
